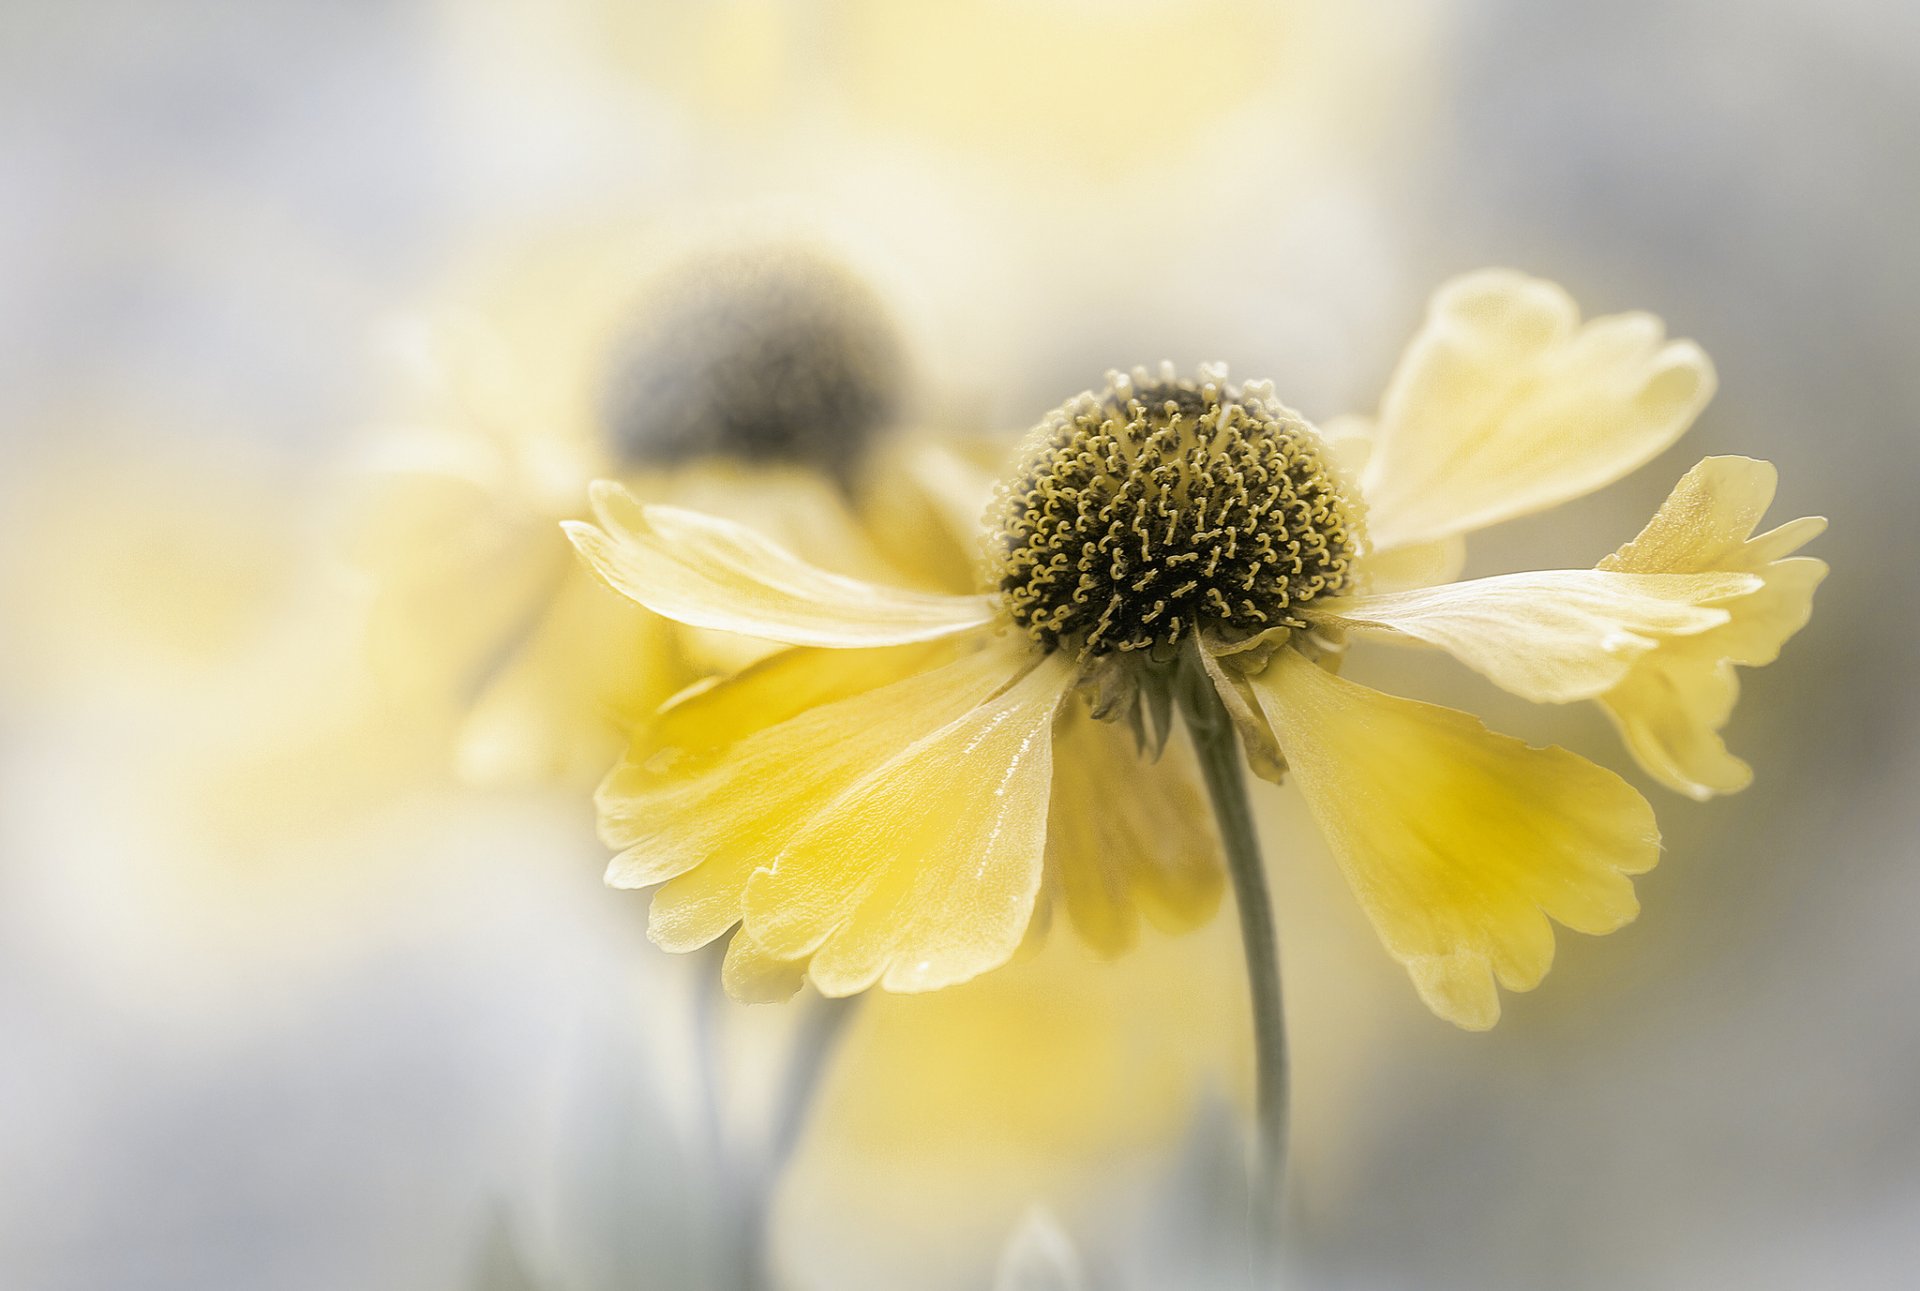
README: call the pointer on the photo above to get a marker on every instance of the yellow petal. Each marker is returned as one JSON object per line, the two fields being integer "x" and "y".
{"x": 438, "y": 623}
{"x": 716, "y": 711}
{"x": 924, "y": 872}
{"x": 1127, "y": 836}
{"x": 1672, "y": 705}
{"x": 753, "y": 976}
{"x": 923, "y": 502}
{"x": 1459, "y": 843}
{"x": 1348, "y": 440}
{"x": 595, "y": 667}
{"x": 711, "y": 573}
{"x": 705, "y": 833}
{"x": 1227, "y": 666}
{"x": 1504, "y": 405}
{"x": 795, "y": 508}
{"x": 1045, "y": 1077}
{"x": 1420, "y": 564}
{"x": 1551, "y": 637}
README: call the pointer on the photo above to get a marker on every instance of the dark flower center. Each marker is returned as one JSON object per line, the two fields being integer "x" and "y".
{"x": 1164, "y": 505}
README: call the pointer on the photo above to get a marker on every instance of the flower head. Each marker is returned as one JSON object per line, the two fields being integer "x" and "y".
{"x": 894, "y": 799}
{"x": 1164, "y": 507}
{"x": 753, "y": 380}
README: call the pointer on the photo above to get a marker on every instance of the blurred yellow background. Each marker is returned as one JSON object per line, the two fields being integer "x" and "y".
{"x": 283, "y": 1003}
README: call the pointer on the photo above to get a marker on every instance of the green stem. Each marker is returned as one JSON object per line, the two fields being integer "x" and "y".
{"x": 1221, "y": 764}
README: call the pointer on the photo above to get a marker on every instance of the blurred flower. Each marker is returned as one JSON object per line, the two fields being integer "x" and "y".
{"x": 1062, "y": 1080}
{"x": 752, "y": 380}
{"x": 1175, "y": 541}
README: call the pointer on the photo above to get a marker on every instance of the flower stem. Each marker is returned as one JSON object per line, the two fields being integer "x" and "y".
{"x": 1220, "y": 762}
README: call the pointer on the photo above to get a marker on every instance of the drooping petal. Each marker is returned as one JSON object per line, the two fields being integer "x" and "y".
{"x": 1126, "y": 836}
{"x": 1551, "y": 637}
{"x": 703, "y": 833}
{"x": 1459, "y": 843}
{"x": 924, "y": 871}
{"x": 711, "y": 573}
{"x": 753, "y": 976}
{"x": 1672, "y": 705}
{"x": 1227, "y": 666}
{"x": 1505, "y": 405}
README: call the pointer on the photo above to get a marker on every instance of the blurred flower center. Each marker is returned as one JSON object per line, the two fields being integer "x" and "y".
{"x": 1167, "y": 504}
{"x": 776, "y": 355}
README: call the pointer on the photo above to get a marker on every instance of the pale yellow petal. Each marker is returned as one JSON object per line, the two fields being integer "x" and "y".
{"x": 1419, "y": 564}
{"x": 1128, "y": 837}
{"x": 1705, "y": 522}
{"x": 1459, "y": 843}
{"x": 1504, "y": 404}
{"x": 1349, "y": 443}
{"x": 1672, "y": 705}
{"x": 437, "y": 627}
{"x": 560, "y": 701}
{"x": 716, "y": 711}
{"x": 924, "y": 500}
{"x": 753, "y": 976}
{"x": 800, "y": 509}
{"x": 1227, "y": 667}
{"x": 925, "y": 871}
{"x": 704, "y": 834}
{"x": 1551, "y": 637}
{"x": 711, "y": 573}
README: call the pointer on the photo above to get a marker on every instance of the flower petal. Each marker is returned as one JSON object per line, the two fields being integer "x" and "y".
{"x": 753, "y": 976}
{"x": 924, "y": 872}
{"x": 1504, "y": 405}
{"x": 592, "y": 669}
{"x": 704, "y": 833}
{"x": 1459, "y": 843}
{"x": 1419, "y": 564}
{"x": 1127, "y": 836}
{"x": 1672, "y": 705}
{"x": 717, "y": 711}
{"x": 924, "y": 499}
{"x": 712, "y": 573}
{"x": 1550, "y": 637}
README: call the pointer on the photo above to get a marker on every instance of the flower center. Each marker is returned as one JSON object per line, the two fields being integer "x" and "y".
{"x": 769, "y": 354}
{"x": 1164, "y": 505}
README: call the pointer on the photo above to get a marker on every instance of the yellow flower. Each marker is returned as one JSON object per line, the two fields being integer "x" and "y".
{"x": 916, "y": 1131}
{"x": 892, "y": 800}
{"x": 750, "y": 380}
